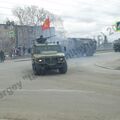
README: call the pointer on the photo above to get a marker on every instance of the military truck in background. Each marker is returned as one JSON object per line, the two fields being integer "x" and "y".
{"x": 47, "y": 57}
{"x": 116, "y": 45}
{"x": 77, "y": 47}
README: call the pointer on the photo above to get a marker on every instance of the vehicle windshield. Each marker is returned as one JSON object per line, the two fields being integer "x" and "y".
{"x": 40, "y": 49}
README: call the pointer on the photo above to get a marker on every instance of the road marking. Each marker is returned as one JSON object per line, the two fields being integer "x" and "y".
{"x": 22, "y": 60}
{"x": 3, "y": 119}
{"x": 104, "y": 67}
{"x": 55, "y": 90}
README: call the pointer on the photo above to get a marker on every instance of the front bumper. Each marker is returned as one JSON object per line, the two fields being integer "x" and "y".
{"x": 49, "y": 66}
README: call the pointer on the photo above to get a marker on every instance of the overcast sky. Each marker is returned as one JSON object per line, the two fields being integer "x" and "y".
{"x": 81, "y": 17}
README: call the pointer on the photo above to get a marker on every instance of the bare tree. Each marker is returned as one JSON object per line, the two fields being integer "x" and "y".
{"x": 32, "y": 15}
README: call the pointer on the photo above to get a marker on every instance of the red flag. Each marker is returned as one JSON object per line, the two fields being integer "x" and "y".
{"x": 46, "y": 24}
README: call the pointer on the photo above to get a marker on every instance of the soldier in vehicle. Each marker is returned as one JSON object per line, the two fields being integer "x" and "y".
{"x": 41, "y": 40}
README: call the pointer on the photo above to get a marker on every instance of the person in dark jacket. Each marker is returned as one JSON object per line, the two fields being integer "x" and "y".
{"x": 2, "y": 56}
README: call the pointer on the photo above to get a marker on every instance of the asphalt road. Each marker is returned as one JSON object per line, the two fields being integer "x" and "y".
{"x": 89, "y": 91}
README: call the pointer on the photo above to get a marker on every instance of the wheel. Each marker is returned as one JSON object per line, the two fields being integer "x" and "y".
{"x": 35, "y": 71}
{"x": 63, "y": 69}
{"x": 89, "y": 51}
{"x": 42, "y": 71}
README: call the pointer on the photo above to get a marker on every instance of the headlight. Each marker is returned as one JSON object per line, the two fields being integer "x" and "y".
{"x": 61, "y": 59}
{"x": 40, "y": 60}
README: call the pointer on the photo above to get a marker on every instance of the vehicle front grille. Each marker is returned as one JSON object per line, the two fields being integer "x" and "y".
{"x": 51, "y": 60}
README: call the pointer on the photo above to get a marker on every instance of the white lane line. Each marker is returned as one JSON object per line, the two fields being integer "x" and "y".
{"x": 3, "y": 119}
{"x": 54, "y": 90}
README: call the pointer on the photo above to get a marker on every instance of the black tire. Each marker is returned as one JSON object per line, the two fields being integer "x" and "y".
{"x": 35, "y": 71}
{"x": 63, "y": 69}
{"x": 42, "y": 72}
{"x": 89, "y": 51}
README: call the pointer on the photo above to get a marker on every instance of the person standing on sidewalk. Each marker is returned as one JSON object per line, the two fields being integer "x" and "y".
{"x": 2, "y": 56}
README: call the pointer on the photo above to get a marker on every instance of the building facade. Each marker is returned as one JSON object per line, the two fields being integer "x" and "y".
{"x": 19, "y": 36}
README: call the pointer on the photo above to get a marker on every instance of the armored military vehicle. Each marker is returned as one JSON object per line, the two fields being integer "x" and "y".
{"x": 87, "y": 46}
{"x": 77, "y": 47}
{"x": 116, "y": 45}
{"x": 46, "y": 57}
